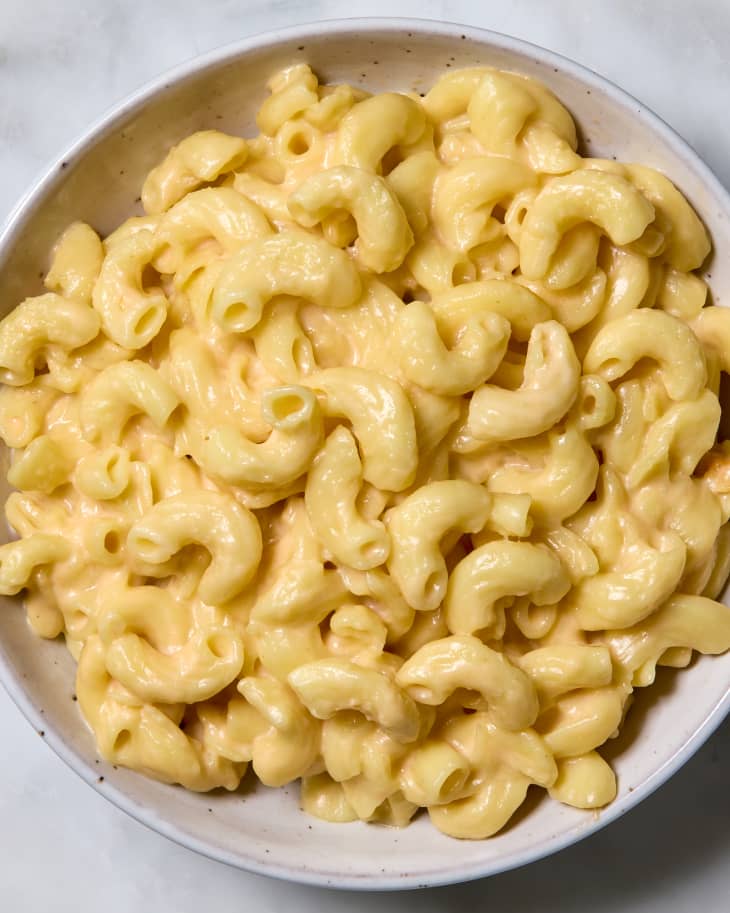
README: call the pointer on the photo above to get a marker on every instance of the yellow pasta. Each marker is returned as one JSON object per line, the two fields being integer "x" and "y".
{"x": 381, "y": 453}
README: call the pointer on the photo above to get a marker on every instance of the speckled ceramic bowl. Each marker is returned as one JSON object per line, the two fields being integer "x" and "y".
{"x": 98, "y": 180}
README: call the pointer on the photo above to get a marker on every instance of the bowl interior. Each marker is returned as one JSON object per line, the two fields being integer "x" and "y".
{"x": 99, "y": 181}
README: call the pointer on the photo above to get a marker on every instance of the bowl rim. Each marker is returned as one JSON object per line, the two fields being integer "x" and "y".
{"x": 34, "y": 197}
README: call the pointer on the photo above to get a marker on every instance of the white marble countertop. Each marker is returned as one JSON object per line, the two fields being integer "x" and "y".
{"x": 63, "y": 847}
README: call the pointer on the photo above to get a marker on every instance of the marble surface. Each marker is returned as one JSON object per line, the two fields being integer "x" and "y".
{"x": 64, "y": 848}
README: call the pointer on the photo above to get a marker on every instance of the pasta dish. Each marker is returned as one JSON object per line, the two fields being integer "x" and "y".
{"x": 381, "y": 453}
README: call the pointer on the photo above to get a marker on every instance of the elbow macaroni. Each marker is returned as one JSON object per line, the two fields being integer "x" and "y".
{"x": 381, "y": 453}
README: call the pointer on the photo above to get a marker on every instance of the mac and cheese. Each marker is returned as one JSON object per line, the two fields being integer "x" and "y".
{"x": 381, "y": 453}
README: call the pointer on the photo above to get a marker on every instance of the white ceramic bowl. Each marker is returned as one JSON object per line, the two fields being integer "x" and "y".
{"x": 98, "y": 180}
